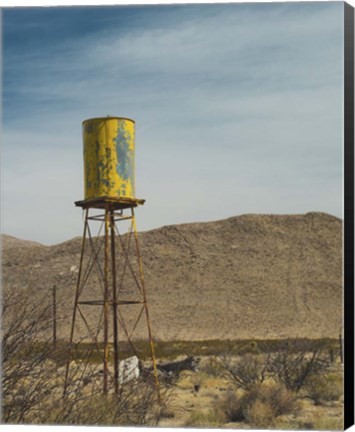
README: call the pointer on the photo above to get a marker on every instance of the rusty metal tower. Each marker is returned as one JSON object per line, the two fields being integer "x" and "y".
{"x": 110, "y": 278}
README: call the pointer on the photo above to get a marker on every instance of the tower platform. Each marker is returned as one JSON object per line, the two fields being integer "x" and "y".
{"x": 113, "y": 203}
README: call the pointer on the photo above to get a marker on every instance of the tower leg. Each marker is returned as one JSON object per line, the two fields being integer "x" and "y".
{"x": 106, "y": 298}
{"x": 114, "y": 301}
{"x": 140, "y": 264}
{"x": 76, "y": 301}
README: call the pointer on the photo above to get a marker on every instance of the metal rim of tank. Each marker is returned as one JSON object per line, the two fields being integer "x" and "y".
{"x": 108, "y": 118}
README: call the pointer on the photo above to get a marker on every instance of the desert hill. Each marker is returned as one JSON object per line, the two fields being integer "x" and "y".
{"x": 250, "y": 276}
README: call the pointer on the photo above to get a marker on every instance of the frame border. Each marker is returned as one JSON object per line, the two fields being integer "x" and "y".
{"x": 348, "y": 215}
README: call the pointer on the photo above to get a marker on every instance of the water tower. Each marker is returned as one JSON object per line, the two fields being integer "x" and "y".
{"x": 110, "y": 298}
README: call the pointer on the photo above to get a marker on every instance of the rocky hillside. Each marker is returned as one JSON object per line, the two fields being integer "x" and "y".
{"x": 250, "y": 276}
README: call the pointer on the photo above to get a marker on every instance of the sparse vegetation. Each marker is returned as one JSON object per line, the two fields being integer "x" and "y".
{"x": 277, "y": 397}
{"x": 260, "y": 405}
{"x": 204, "y": 419}
{"x": 320, "y": 422}
{"x": 24, "y": 384}
{"x": 32, "y": 383}
{"x": 248, "y": 389}
{"x": 246, "y": 371}
{"x": 259, "y": 414}
{"x": 322, "y": 389}
{"x": 294, "y": 363}
{"x": 232, "y": 406}
{"x": 211, "y": 366}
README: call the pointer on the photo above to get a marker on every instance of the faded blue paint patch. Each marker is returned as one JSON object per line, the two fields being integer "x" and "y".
{"x": 88, "y": 128}
{"x": 102, "y": 167}
{"x": 124, "y": 154}
{"x": 88, "y": 182}
{"x": 108, "y": 153}
{"x": 86, "y": 170}
{"x": 98, "y": 173}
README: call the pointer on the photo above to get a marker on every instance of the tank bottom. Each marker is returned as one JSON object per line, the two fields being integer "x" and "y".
{"x": 113, "y": 203}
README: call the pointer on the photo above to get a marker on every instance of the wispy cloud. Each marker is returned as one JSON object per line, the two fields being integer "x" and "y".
{"x": 238, "y": 109}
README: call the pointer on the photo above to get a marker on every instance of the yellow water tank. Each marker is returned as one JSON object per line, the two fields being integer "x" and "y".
{"x": 109, "y": 157}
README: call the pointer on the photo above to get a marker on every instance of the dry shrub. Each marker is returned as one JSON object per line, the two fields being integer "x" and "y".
{"x": 189, "y": 380}
{"x": 185, "y": 380}
{"x": 251, "y": 347}
{"x": 294, "y": 362}
{"x": 246, "y": 372}
{"x": 136, "y": 404}
{"x": 320, "y": 422}
{"x": 168, "y": 404}
{"x": 259, "y": 414}
{"x": 204, "y": 419}
{"x": 232, "y": 406}
{"x": 323, "y": 389}
{"x": 207, "y": 381}
{"x": 32, "y": 383}
{"x": 24, "y": 380}
{"x": 275, "y": 395}
{"x": 211, "y": 366}
{"x": 199, "y": 379}
{"x": 260, "y": 405}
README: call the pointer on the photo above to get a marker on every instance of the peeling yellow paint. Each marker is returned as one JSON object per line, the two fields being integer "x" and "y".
{"x": 109, "y": 157}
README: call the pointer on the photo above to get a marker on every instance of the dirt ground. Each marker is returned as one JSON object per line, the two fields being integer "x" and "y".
{"x": 203, "y": 397}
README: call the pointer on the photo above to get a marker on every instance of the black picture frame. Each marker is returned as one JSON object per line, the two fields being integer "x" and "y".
{"x": 348, "y": 215}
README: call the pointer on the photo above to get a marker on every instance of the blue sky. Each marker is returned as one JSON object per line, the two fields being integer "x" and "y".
{"x": 238, "y": 109}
